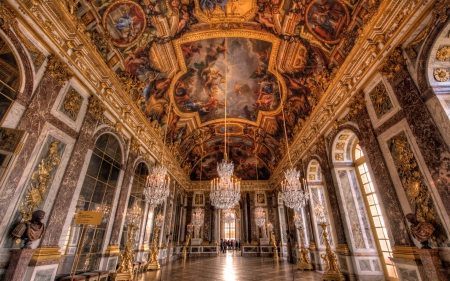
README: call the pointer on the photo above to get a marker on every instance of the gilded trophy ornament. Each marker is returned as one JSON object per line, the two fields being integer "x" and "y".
{"x": 380, "y": 100}
{"x": 40, "y": 183}
{"x": 393, "y": 63}
{"x": 72, "y": 103}
{"x": 96, "y": 107}
{"x": 421, "y": 231}
{"x": 441, "y": 74}
{"x": 58, "y": 69}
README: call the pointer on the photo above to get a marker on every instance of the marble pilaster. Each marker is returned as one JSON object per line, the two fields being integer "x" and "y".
{"x": 427, "y": 136}
{"x": 68, "y": 185}
{"x": 18, "y": 264}
{"x": 432, "y": 264}
{"x": 32, "y": 122}
{"x": 207, "y": 228}
{"x": 123, "y": 199}
{"x": 386, "y": 190}
{"x": 338, "y": 226}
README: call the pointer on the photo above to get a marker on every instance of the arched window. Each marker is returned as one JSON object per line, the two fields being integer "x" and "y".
{"x": 9, "y": 78}
{"x": 230, "y": 230}
{"x": 97, "y": 194}
{"x": 136, "y": 195}
{"x": 376, "y": 218}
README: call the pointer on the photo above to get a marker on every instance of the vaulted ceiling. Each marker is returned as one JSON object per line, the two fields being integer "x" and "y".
{"x": 244, "y": 59}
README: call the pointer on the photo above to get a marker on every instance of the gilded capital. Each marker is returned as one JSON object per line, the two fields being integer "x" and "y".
{"x": 58, "y": 69}
{"x": 96, "y": 107}
{"x": 393, "y": 63}
{"x": 357, "y": 102}
{"x": 7, "y": 16}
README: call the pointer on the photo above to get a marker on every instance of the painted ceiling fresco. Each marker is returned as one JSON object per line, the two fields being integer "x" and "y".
{"x": 233, "y": 67}
{"x": 306, "y": 41}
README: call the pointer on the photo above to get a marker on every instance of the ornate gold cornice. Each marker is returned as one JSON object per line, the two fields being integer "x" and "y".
{"x": 58, "y": 69}
{"x": 10, "y": 21}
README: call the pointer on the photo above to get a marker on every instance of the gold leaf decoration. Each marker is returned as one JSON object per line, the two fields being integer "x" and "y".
{"x": 393, "y": 63}
{"x": 441, "y": 75}
{"x": 40, "y": 182}
{"x": 380, "y": 100}
{"x": 96, "y": 107}
{"x": 72, "y": 103}
{"x": 58, "y": 69}
{"x": 414, "y": 185}
{"x": 443, "y": 53}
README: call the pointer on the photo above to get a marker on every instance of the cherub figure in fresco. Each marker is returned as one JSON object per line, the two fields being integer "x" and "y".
{"x": 190, "y": 49}
{"x": 214, "y": 51}
{"x": 238, "y": 88}
{"x": 184, "y": 18}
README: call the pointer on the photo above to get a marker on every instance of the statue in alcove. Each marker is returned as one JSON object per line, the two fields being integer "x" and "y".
{"x": 31, "y": 230}
{"x": 421, "y": 231}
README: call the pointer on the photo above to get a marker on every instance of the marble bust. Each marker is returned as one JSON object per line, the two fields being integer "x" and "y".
{"x": 31, "y": 230}
{"x": 421, "y": 231}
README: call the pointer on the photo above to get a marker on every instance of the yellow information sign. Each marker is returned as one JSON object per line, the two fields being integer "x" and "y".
{"x": 89, "y": 217}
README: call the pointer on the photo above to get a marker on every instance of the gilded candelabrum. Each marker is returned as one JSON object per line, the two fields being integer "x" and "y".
{"x": 303, "y": 262}
{"x": 125, "y": 269}
{"x": 273, "y": 243}
{"x": 186, "y": 244}
{"x": 153, "y": 263}
{"x": 332, "y": 268}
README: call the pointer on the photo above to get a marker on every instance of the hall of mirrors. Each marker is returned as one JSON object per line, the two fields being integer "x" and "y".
{"x": 139, "y": 136}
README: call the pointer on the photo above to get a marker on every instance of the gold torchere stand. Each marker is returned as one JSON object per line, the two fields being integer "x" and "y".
{"x": 332, "y": 269}
{"x": 274, "y": 245}
{"x": 125, "y": 269}
{"x": 304, "y": 262}
{"x": 153, "y": 263}
{"x": 185, "y": 245}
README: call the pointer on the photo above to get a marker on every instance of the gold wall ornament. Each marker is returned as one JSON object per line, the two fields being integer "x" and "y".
{"x": 10, "y": 19}
{"x": 393, "y": 63}
{"x": 356, "y": 103}
{"x": 96, "y": 107}
{"x": 380, "y": 100}
{"x": 134, "y": 145}
{"x": 72, "y": 103}
{"x": 443, "y": 53}
{"x": 339, "y": 156}
{"x": 130, "y": 83}
{"x": 40, "y": 182}
{"x": 414, "y": 185}
{"x": 58, "y": 69}
{"x": 441, "y": 74}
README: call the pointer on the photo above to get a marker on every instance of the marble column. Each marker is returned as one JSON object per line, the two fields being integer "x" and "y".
{"x": 429, "y": 140}
{"x": 432, "y": 264}
{"x": 18, "y": 264}
{"x": 119, "y": 218}
{"x": 207, "y": 219}
{"x": 338, "y": 225}
{"x": 394, "y": 217}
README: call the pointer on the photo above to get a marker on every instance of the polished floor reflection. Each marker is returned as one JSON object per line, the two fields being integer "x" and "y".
{"x": 229, "y": 267}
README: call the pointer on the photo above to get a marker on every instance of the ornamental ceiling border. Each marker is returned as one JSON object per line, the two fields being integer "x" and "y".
{"x": 200, "y": 35}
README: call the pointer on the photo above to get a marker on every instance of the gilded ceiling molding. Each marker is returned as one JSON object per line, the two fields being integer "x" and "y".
{"x": 393, "y": 63}
{"x": 439, "y": 13}
{"x": 10, "y": 20}
{"x": 443, "y": 53}
{"x": 441, "y": 74}
{"x": 96, "y": 107}
{"x": 58, "y": 69}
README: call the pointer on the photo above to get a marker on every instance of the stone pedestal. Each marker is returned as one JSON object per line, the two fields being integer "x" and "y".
{"x": 264, "y": 241}
{"x": 18, "y": 264}
{"x": 432, "y": 264}
{"x": 196, "y": 241}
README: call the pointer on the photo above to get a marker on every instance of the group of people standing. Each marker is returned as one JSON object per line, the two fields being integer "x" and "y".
{"x": 231, "y": 245}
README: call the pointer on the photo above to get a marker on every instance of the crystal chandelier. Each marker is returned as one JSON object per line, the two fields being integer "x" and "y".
{"x": 228, "y": 216}
{"x": 225, "y": 190}
{"x": 134, "y": 214}
{"x": 198, "y": 217}
{"x": 157, "y": 186}
{"x": 294, "y": 192}
{"x": 260, "y": 216}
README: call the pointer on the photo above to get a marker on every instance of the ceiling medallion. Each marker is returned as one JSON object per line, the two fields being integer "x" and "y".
{"x": 125, "y": 22}
{"x": 441, "y": 75}
{"x": 327, "y": 21}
